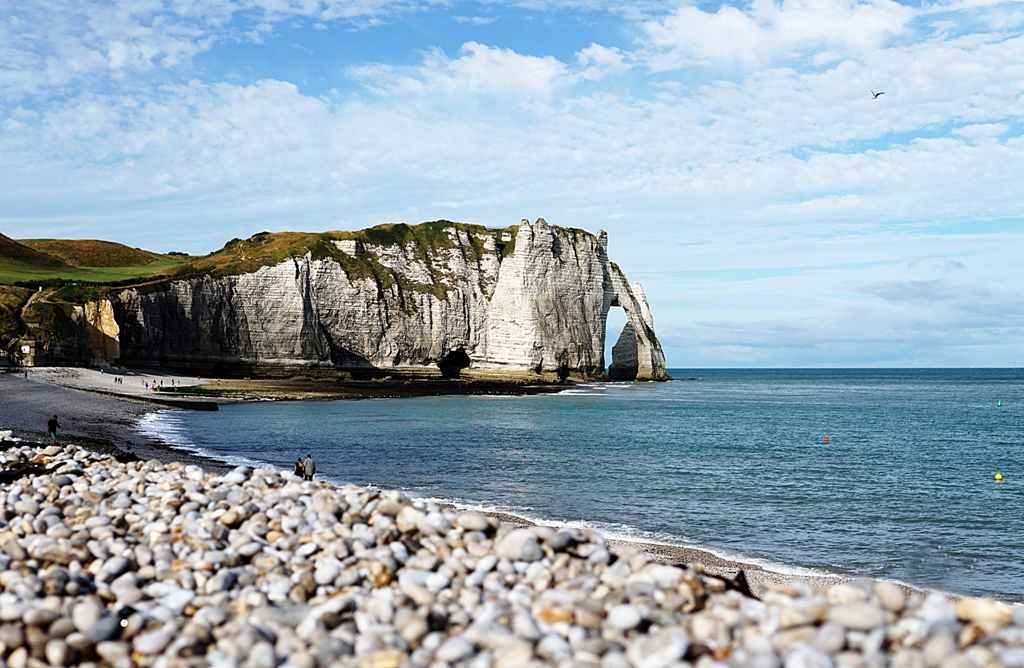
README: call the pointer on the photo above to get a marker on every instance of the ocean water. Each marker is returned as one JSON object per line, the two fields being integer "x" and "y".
{"x": 729, "y": 460}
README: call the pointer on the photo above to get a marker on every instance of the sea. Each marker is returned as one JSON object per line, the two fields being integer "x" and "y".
{"x": 888, "y": 474}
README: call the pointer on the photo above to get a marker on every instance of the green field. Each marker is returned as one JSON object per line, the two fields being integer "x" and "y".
{"x": 12, "y": 271}
{"x": 86, "y": 261}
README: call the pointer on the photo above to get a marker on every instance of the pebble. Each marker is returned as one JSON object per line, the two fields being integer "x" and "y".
{"x": 857, "y": 616}
{"x": 57, "y": 652}
{"x": 152, "y": 642}
{"x": 984, "y": 611}
{"x": 144, "y": 565}
{"x": 658, "y": 651}
{"x": 454, "y": 649}
{"x": 519, "y": 545}
{"x": 473, "y": 522}
{"x": 624, "y": 617}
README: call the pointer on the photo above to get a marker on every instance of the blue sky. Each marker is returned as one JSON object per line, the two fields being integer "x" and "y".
{"x": 775, "y": 213}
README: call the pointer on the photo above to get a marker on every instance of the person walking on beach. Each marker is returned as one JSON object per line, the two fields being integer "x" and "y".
{"x": 51, "y": 429}
{"x": 300, "y": 468}
{"x": 309, "y": 468}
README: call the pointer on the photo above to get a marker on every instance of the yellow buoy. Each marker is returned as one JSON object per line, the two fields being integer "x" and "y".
{"x": 999, "y": 477}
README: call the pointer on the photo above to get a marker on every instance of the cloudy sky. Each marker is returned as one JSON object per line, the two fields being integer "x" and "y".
{"x": 776, "y": 214}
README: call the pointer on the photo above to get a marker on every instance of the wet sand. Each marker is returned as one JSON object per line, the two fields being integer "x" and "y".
{"x": 26, "y": 404}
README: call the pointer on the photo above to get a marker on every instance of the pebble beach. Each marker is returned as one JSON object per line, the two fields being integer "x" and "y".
{"x": 141, "y": 563}
{"x": 169, "y": 561}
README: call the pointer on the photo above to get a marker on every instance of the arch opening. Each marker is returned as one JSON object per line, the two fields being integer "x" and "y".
{"x": 615, "y": 323}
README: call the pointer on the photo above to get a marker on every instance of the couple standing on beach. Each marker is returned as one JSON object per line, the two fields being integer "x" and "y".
{"x": 305, "y": 469}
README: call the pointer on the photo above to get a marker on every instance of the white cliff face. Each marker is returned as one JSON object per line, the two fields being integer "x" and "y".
{"x": 540, "y": 306}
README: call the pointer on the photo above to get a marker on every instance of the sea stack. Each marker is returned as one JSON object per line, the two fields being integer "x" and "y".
{"x": 528, "y": 301}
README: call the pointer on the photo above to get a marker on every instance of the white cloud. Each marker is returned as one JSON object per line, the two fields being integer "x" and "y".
{"x": 71, "y": 42}
{"x": 479, "y": 70}
{"x": 475, "y": 20}
{"x": 766, "y": 31}
{"x": 597, "y": 62}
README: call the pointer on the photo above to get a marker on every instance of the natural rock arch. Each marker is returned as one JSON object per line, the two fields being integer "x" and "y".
{"x": 637, "y": 354}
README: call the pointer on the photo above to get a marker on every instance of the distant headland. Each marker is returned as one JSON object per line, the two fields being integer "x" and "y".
{"x": 526, "y": 303}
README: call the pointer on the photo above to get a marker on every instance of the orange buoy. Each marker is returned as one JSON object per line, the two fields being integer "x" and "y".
{"x": 826, "y": 439}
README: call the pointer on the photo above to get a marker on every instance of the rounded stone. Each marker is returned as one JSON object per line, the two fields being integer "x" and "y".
{"x": 984, "y": 610}
{"x": 454, "y": 649}
{"x": 326, "y": 573}
{"x": 113, "y": 652}
{"x": 857, "y": 616}
{"x": 709, "y": 630}
{"x": 12, "y": 636}
{"x": 38, "y": 617}
{"x": 659, "y": 651}
{"x": 57, "y": 652}
{"x": 891, "y": 596}
{"x": 85, "y": 615}
{"x": 1012, "y": 657}
{"x": 831, "y": 638}
{"x": 808, "y": 657}
{"x": 105, "y": 628}
{"x": 624, "y": 617}
{"x": 152, "y": 642}
{"x": 473, "y": 522}
{"x": 937, "y": 649}
{"x": 519, "y": 545}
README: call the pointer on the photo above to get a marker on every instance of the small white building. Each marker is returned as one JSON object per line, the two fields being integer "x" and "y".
{"x": 29, "y": 354}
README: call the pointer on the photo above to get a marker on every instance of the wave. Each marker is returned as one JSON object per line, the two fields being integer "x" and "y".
{"x": 168, "y": 426}
{"x": 632, "y": 534}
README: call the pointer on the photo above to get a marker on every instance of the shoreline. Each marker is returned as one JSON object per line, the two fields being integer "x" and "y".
{"x": 85, "y": 395}
{"x": 27, "y": 404}
{"x": 137, "y": 563}
{"x": 760, "y": 577}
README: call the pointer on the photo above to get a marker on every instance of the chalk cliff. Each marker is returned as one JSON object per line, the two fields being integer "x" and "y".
{"x": 512, "y": 303}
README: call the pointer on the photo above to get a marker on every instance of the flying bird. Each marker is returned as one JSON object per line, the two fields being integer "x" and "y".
{"x": 874, "y": 95}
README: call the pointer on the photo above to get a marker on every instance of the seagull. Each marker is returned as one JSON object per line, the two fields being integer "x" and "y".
{"x": 874, "y": 95}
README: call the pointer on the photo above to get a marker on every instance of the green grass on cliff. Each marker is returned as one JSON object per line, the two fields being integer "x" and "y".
{"x": 51, "y": 260}
{"x": 75, "y": 271}
{"x": 426, "y": 241}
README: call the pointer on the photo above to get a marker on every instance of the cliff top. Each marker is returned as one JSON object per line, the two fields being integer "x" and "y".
{"x": 75, "y": 271}
{"x": 55, "y": 261}
{"x": 52, "y": 262}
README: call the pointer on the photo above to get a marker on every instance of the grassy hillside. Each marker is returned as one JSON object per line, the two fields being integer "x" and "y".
{"x": 48, "y": 260}
{"x": 91, "y": 253}
{"x": 13, "y": 252}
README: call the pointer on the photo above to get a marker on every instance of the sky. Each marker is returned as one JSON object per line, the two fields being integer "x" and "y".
{"x": 775, "y": 211}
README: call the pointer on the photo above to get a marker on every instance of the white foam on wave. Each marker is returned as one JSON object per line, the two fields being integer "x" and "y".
{"x": 168, "y": 426}
{"x": 626, "y": 532}
{"x": 585, "y": 390}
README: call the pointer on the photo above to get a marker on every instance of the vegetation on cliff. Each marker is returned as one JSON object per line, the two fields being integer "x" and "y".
{"x": 42, "y": 280}
{"x": 52, "y": 262}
